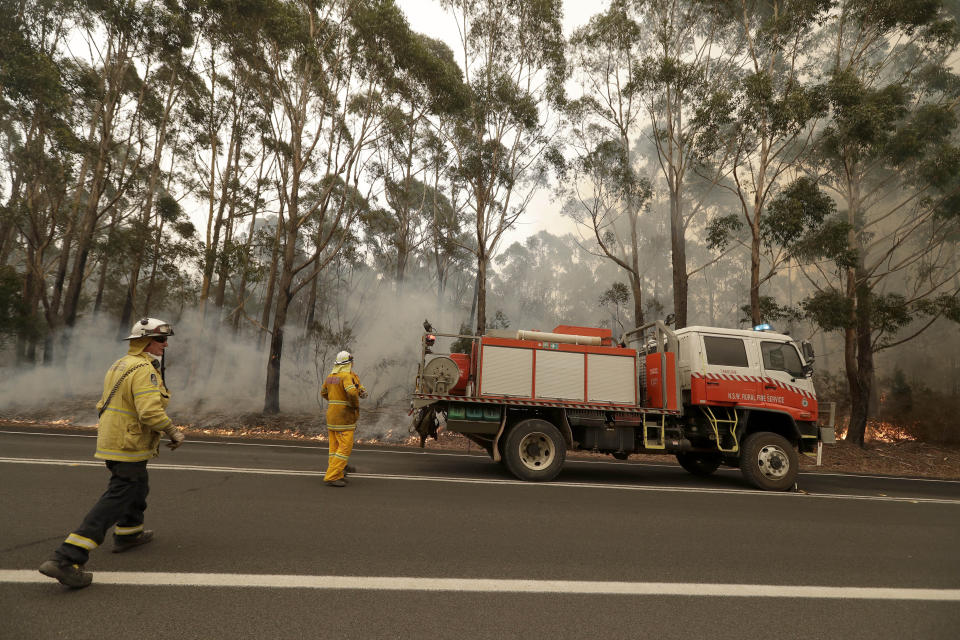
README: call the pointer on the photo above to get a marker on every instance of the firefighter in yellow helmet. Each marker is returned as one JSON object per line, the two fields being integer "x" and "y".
{"x": 342, "y": 391}
{"x": 132, "y": 416}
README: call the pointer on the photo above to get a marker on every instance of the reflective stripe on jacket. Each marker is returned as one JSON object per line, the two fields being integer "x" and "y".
{"x": 342, "y": 392}
{"x": 132, "y": 422}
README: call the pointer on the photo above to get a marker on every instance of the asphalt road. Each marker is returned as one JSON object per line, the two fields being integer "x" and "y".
{"x": 430, "y": 544}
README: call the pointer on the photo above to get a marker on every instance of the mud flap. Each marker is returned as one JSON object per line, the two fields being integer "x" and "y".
{"x": 425, "y": 424}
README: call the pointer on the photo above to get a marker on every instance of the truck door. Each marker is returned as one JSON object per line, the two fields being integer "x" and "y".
{"x": 731, "y": 378}
{"x": 784, "y": 386}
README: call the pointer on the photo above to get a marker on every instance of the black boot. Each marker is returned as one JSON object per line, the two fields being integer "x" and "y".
{"x": 70, "y": 575}
{"x": 125, "y": 543}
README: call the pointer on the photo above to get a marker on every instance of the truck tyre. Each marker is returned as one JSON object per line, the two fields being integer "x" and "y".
{"x": 768, "y": 461}
{"x": 534, "y": 450}
{"x": 699, "y": 464}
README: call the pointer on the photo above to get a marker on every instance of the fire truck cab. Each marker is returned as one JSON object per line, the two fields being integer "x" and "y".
{"x": 710, "y": 396}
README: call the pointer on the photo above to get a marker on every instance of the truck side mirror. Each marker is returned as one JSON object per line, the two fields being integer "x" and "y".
{"x": 807, "y": 348}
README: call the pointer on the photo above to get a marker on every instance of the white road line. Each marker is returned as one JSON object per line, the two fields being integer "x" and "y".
{"x": 422, "y": 452}
{"x": 474, "y": 585}
{"x": 157, "y": 466}
{"x": 317, "y": 447}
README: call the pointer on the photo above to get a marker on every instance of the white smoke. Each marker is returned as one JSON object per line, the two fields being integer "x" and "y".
{"x": 218, "y": 378}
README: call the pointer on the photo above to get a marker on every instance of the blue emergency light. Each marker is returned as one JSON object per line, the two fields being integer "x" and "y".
{"x": 763, "y": 327}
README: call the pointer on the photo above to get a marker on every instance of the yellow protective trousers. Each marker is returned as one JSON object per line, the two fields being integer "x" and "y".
{"x": 341, "y": 444}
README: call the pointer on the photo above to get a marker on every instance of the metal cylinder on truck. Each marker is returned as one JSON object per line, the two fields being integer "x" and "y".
{"x": 564, "y": 338}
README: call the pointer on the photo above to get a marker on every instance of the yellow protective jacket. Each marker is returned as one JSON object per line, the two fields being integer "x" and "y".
{"x": 132, "y": 422}
{"x": 341, "y": 389}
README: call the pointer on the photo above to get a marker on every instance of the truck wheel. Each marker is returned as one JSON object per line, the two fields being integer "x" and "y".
{"x": 534, "y": 450}
{"x": 768, "y": 461}
{"x": 699, "y": 464}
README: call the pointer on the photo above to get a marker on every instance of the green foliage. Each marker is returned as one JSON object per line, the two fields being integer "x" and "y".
{"x": 617, "y": 295}
{"x": 462, "y": 345}
{"x": 829, "y": 241}
{"x": 944, "y": 304}
{"x": 609, "y": 165}
{"x": 772, "y": 311}
{"x": 722, "y": 229}
{"x": 889, "y": 313}
{"x": 797, "y": 212}
{"x": 900, "y": 401}
{"x": 829, "y": 309}
{"x": 14, "y": 317}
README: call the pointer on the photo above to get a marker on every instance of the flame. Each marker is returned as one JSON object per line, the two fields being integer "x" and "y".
{"x": 879, "y": 431}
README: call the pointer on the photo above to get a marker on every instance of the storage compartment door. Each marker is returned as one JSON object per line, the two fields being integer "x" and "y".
{"x": 506, "y": 371}
{"x": 611, "y": 379}
{"x": 560, "y": 375}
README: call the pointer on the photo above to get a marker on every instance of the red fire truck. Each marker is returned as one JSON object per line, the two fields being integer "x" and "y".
{"x": 709, "y": 396}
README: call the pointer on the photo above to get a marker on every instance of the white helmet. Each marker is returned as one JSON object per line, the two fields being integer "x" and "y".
{"x": 343, "y": 358}
{"x": 149, "y": 328}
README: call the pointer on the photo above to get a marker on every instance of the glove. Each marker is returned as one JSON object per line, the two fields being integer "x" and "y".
{"x": 362, "y": 392}
{"x": 176, "y": 437}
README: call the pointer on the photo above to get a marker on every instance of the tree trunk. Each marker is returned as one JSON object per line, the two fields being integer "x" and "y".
{"x": 860, "y": 371}
{"x": 87, "y": 230}
{"x": 311, "y": 305}
{"x": 271, "y": 402}
{"x": 147, "y": 213}
{"x": 101, "y": 285}
{"x": 153, "y": 268}
{"x": 636, "y": 285}
{"x": 678, "y": 248}
{"x": 755, "y": 316}
{"x": 115, "y": 66}
{"x": 6, "y": 240}
{"x": 242, "y": 290}
{"x": 481, "y": 294}
{"x": 27, "y": 339}
{"x": 271, "y": 280}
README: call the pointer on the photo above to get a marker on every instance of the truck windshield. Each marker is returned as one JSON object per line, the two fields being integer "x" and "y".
{"x": 780, "y": 356}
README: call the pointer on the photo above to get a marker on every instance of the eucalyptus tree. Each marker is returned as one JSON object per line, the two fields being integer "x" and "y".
{"x": 772, "y": 109}
{"x": 38, "y": 148}
{"x": 503, "y": 144}
{"x": 683, "y": 81}
{"x": 532, "y": 281}
{"x": 608, "y": 199}
{"x": 114, "y": 34}
{"x": 170, "y": 44}
{"x": 417, "y": 98}
{"x": 608, "y": 196}
{"x": 890, "y": 157}
{"x": 449, "y": 245}
{"x": 319, "y": 69}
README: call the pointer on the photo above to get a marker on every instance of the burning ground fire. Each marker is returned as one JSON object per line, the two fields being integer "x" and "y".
{"x": 389, "y": 438}
{"x": 877, "y": 431}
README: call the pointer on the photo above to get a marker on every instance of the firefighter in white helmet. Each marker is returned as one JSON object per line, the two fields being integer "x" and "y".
{"x": 132, "y": 416}
{"x": 342, "y": 391}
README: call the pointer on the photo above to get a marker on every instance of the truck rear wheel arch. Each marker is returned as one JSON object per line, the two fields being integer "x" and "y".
{"x": 556, "y": 417}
